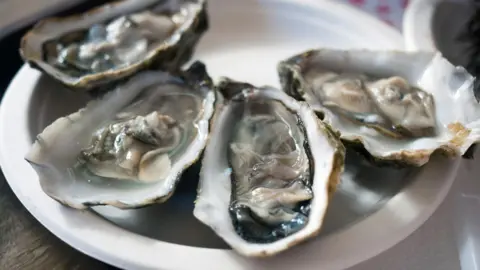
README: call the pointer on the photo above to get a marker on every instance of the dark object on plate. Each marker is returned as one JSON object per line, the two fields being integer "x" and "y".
{"x": 470, "y": 154}
{"x": 115, "y": 41}
{"x": 471, "y": 35}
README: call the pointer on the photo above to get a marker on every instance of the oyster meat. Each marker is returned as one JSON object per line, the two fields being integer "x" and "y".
{"x": 142, "y": 135}
{"x": 390, "y": 105}
{"x": 116, "y": 40}
{"x": 268, "y": 171}
{"x": 395, "y": 104}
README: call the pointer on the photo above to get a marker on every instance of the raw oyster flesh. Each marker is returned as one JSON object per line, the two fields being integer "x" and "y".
{"x": 271, "y": 174}
{"x": 121, "y": 42}
{"x": 389, "y": 105}
{"x": 269, "y": 168}
{"x": 117, "y": 40}
{"x": 135, "y": 146}
{"x": 148, "y": 130}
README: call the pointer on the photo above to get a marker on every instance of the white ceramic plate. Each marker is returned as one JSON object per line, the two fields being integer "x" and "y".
{"x": 246, "y": 40}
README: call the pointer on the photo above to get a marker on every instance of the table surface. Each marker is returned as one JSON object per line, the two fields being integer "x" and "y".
{"x": 26, "y": 244}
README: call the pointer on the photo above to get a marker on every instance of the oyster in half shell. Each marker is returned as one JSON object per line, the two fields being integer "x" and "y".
{"x": 129, "y": 148}
{"x": 268, "y": 170}
{"x": 115, "y": 41}
{"x": 401, "y": 106}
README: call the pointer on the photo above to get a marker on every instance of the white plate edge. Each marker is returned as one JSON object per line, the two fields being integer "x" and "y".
{"x": 417, "y": 21}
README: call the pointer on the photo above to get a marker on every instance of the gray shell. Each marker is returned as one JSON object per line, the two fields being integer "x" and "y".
{"x": 58, "y": 153}
{"x": 190, "y": 22}
{"x": 457, "y": 112}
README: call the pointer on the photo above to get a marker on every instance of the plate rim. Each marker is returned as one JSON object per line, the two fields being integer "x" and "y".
{"x": 417, "y": 21}
{"x": 133, "y": 256}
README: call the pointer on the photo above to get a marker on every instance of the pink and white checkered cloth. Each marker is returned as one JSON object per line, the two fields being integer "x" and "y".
{"x": 390, "y": 11}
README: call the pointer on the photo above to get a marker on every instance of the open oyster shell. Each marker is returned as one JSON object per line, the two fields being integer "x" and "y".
{"x": 268, "y": 171}
{"x": 115, "y": 41}
{"x": 401, "y": 106}
{"x": 129, "y": 148}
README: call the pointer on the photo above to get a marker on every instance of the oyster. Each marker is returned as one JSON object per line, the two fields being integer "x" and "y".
{"x": 401, "y": 106}
{"x": 129, "y": 148}
{"x": 116, "y": 40}
{"x": 268, "y": 171}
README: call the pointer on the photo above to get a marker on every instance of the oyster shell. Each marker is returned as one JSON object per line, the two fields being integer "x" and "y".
{"x": 129, "y": 148}
{"x": 401, "y": 106}
{"x": 268, "y": 170}
{"x": 115, "y": 41}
